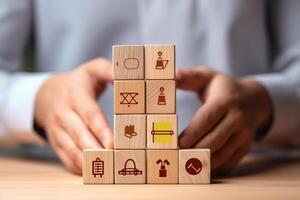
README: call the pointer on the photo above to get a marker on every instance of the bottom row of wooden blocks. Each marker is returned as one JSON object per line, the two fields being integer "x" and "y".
{"x": 189, "y": 166}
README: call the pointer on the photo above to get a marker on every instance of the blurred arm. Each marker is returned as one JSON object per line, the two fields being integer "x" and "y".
{"x": 283, "y": 85}
{"x": 18, "y": 89}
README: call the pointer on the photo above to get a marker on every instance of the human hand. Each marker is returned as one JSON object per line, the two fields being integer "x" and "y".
{"x": 233, "y": 111}
{"x": 66, "y": 107}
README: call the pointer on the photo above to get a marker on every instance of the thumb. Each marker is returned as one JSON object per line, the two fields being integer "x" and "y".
{"x": 100, "y": 69}
{"x": 194, "y": 79}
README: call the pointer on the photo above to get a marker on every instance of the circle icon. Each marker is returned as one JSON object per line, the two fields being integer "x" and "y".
{"x": 193, "y": 166}
{"x": 159, "y": 53}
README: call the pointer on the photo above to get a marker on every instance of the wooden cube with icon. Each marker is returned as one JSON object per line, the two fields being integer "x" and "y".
{"x": 128, "y": 62}
{"x": 130, "y": 166}
{"x": 162, "y": 166}
{"x": 129, "y": 97}
{"x": 160, "y": 61}
{"x": 145, "y": 125}
{"x": 98, "y": 166}
{"x": 130, "y": 131}
{"x": 194, "y": 166}
{"x": 160, "y": 97}
{"x": 162, "y": 132}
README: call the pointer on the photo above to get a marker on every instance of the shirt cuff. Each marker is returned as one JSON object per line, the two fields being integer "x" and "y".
{"x": 20, "y": 103}
{"x": 285, "y": 103}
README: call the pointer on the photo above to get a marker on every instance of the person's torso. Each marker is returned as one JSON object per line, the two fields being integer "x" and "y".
{"x": 230, "y": 36}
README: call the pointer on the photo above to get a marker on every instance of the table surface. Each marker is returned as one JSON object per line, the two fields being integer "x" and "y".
{"x": 257, "y": 177}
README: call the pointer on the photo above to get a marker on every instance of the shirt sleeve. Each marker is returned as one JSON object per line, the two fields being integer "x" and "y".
{"x": 18, "y": 89}
{"x": 18, "y": 103}
{"x": 283, "y": 84}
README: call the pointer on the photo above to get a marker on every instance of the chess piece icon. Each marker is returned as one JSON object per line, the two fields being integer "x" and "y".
{"x": 161, "y": 97}
{"x": 160, "y": 62}
{"x": 129, "y": 131}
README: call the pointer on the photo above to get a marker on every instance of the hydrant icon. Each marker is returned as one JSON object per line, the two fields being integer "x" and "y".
{"x": 163, "y": 171}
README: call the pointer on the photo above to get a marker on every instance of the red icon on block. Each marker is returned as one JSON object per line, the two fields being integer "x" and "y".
{"x": 160, "y": 62}
{"x": 129, "y": 131}
{"x": 129, "y": 98}
{"x": 161, "y": 98}
{"x": 193, "y": 166}
{"x": 130, "y": 63}
{"x": 98, "y": 167}
{"x": 163, "y": 170}
{"x": 127, "y": 170}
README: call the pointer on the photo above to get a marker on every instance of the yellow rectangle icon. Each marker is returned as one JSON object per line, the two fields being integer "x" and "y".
{"x": 162, "y": 132}
{"x": 162, "y": 138}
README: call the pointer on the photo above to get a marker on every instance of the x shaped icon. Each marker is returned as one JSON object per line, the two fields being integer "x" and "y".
{"x": 129, "y": 98}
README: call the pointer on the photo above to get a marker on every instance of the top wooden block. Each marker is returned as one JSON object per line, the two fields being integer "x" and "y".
{"x": 128, "y": 62}
{"x": 160, "y": 61}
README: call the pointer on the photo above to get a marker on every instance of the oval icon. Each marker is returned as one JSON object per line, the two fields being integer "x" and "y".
{"x": 131, "y": 63}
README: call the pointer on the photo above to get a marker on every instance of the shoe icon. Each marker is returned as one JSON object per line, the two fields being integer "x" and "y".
{"x": 129, "y": 131}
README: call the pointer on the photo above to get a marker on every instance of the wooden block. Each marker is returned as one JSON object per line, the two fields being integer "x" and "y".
{"x": 128, "y": 62}
{"x": 160, "y": 97}
{"x": 160, "y": 61}
{"x": 98, "y": 166}
{"x": 130, "y": 131}
{"x": 129, "y": 97}
{"x": 162, "y": 132}
{"x": 162, "y": 166}
{"x": 194, "y": 166}
{"x": 130, "y": 166}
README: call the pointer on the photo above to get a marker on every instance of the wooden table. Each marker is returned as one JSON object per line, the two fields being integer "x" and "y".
{"x": 257, "y": 177}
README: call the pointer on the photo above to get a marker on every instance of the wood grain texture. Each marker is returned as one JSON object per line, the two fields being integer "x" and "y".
{"x": 128, "y": 62}
{"x": 190, "y": 171}
{"x": 160, "y": 97}
{"x": 162, "y": 132}
{"x": 260, "y": 176}
{"x": 160, "y": 61}
{"x": 130, "y": 166}
{"x": 130, "y": 131}
{"x": 129, "y": 97}
{"x": 94, "y": 159}
{"x": 162, "y": 166}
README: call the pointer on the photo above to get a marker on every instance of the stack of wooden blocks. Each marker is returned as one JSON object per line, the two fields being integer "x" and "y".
{"x": 145, "y": 125}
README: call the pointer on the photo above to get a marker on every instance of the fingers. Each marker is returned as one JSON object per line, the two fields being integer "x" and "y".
{"x": 235, "y": 149}
{"x": 242, "y": 150}
{"x": 216, "y": 138}
{"x": 205, "y": 119}
{"x": 92, "y": 116}
{"x": 66, "y": 150}
{"x": 194, "y": 79}
{"x": 101, "y": 70}
{"x": 67, "y": 161}
{"x": 234, "y": 160}
{"x": 77, "y": 130}
{"x": 221, "y": 156}
{"x": 66, "y": 143}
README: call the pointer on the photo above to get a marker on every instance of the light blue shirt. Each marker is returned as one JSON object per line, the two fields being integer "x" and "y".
{"x": 242, "y": 38}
